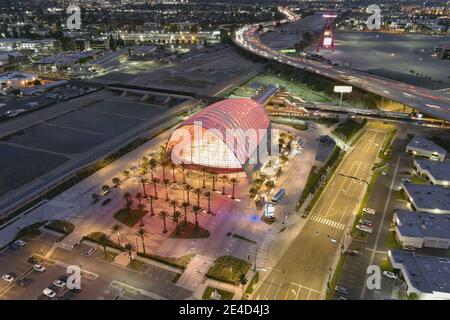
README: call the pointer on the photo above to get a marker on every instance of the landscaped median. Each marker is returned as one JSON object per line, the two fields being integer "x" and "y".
{"x": 177, "y": 262}
{"x": 228, "y": 269}
{"x": 318, "y": 179}
{"x": 335, "y": 277}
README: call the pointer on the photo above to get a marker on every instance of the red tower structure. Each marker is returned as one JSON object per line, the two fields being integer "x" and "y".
{"x": 327, "y": 38}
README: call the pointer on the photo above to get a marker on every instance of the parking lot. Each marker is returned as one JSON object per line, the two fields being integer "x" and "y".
{"x": 100, "y": 280}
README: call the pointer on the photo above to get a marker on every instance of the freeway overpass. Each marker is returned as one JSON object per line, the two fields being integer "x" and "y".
{"x": 432, "y": 103}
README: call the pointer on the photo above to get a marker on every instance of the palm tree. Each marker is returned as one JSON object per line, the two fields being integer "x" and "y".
{"x": 139, "y": 196}
{"x": 188, "y": 189}
{"x": 163, "y": 215}
{"x": 164, "y": 162}
{"x": 204, "y": 171}
{"x": 233, "y": 183}
{"x": 153, "y": 164}
{"x": 166, "y": 183}
{"x": 117, "y": 228}
{"x": 214, "y": 177}
{"x": 105, "y": 188}
{"x": 224, "y": 179}
{"x": 126, "y": 174}
{"x": 196, "y": 210}
{"x": 103, "y": 240}
{"x": 143, "y": 181}
{"x": 207, "y": 195}
{"x": 127, "y": 197}
{"x": 152, "y": 213}
{"x": 115, "y": 181}
{"x": 198, "y": 192}
{"x": 176, "y": 218}
{"x": 129, "y": 247}
{"x": 141, "y": 208}
{"x": 155, "y": 181}
{"x": 185, "y": 205}
{"x": 142, "y": 233}
{"x": 173, "y": 166}
{"x": 183, "y": 168}
{"x": 174, "y": 204}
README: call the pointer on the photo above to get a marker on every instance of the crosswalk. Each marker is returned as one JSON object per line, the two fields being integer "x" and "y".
{"x": 331, "y": 223}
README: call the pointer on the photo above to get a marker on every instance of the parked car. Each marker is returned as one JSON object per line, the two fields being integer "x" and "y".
{"x": 106, "y": 201}
{"x": 90, "y": 251}
{"x": 364, "y": 228}
{"x": 366, "y": 222}
{"x": 23, "y": 282}
{"x": 8, "y": 278}
{"x": 341, "y": 290}
{"x": 49, "y": 293}
{"x": 369, "y": 211}
{"x": 20, "y": 243}
{"x": 59, "y": 283}
{"x": 353, "y": 253}
{"x": 39, "y": 268}
{"x": 14, "y": 247}
{"x": 390, "y": 275}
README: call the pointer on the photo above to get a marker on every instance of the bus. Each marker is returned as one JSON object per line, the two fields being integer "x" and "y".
{"x": 278, "y": 196}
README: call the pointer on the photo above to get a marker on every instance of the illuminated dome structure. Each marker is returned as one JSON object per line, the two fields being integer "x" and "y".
{"x": 229, "y": 136}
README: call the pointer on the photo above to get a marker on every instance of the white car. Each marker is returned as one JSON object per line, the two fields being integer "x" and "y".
{"x": 364, "y": 228}
{"x": 369, "y": 210}
{"x": 49, "y": 293}
{"x": 20, "y": 243}
{"x": 390, "y": 275}
{"x": 59, "y": 283}
{"x": 39, "y": 268}
{"x": 8, "y": 278}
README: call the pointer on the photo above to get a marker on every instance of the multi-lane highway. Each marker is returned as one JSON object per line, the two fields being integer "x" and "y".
{"x": 435, "y": 104}
{"x": 303, "y": 270}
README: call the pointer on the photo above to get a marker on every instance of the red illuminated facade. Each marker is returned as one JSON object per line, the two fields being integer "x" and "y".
{"x": 225, "y": 137}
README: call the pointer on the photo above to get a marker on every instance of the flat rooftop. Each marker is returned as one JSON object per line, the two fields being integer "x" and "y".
{"x": 426, "y": 273}
{"x": 423, "y": 224}
{"x": 440, "y": 171}
{"x": 423, "y": 143}
{"x": 429, "y": 196}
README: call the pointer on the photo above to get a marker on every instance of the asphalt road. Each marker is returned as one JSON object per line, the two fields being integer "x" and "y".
{"x": 304, "y": 268}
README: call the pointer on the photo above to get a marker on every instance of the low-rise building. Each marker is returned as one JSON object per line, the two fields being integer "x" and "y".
{"x": 426, "y": 276}
{"x": 421, "y": 146}
{"x": 8, "y": 44}
{"x": 428, "y": 198}
{"x": 422, "y": 229}
{"x": 16, "y": 80}
{"x": 437, "y": 173}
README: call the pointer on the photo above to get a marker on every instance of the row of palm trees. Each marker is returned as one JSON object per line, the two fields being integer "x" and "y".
{"x": 142, "y": 233}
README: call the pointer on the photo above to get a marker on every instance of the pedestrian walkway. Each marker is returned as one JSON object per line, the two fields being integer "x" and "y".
{"x": 331, "y": 223}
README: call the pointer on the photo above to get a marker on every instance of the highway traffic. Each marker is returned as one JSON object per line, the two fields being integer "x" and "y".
{"x": 429, "y": 102}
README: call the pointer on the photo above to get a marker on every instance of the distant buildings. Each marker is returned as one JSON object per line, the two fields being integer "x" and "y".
{"x": 16, "y": 80}
{"x": 161, "y": 37}
{"x": 426, "y": 276}
{"x": 428, "y": 198}
{"x": 421, "y": 146}
{"x": 9, "y": 44}
{"x": 421, "y": 229}
{"x": 438, "y": 173}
